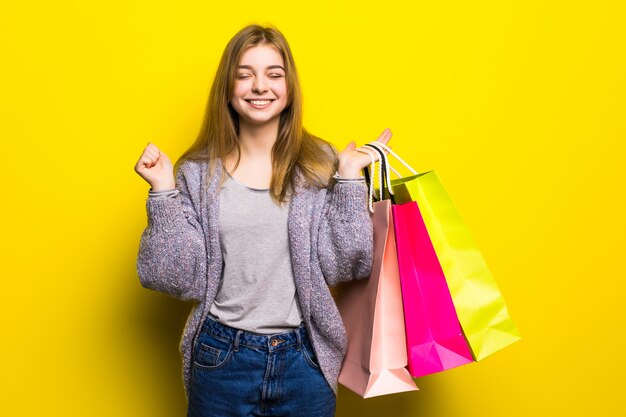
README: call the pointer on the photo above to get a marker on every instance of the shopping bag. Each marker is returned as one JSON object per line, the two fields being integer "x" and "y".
{"x": 371, "y": 309}
{"x": 435, "y": 341}
{"x": 479, "y": 304}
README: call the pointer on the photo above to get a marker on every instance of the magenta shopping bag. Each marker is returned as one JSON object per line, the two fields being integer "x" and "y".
{"x": 434, "y": 338}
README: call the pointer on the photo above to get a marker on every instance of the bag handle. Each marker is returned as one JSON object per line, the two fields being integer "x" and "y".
{"x": 385, "y": 175}
{"x": 386, "y": 166}
{"x": 368, "y": 179}
{"x": 388, "y": 149}
{"x": 372, "y": 145}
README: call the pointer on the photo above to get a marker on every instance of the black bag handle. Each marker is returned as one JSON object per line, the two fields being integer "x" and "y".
{"x": 383, "y": 162}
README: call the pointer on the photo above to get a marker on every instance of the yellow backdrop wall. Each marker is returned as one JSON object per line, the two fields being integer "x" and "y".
{"x": 519, "y": 105}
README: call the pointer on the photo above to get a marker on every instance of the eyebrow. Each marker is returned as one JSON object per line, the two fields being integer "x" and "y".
{"x": 269, "y": 67}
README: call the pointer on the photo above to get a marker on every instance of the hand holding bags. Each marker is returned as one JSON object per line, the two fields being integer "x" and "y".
{"x": 479, "y": 304}
{"x": 371, "y": 310}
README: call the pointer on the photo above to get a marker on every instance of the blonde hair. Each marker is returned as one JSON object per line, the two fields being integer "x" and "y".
{"x": 294, "y": 146}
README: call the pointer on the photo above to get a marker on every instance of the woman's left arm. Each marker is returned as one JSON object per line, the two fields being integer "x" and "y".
{"x": 346, "y": 234}
{"x": 346, "y": 238}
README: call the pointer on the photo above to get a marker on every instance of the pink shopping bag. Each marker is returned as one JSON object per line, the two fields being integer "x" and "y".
{"x": 435, "y": 341}
{"x": 371, "y": 309}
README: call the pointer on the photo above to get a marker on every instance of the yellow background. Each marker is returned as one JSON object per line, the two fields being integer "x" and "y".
{"x": 519, "y": 105}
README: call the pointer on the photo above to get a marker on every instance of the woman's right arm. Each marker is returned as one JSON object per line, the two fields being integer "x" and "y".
{"x": 172, "y": 250}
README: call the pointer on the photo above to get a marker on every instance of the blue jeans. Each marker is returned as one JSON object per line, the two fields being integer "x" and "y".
{"x": 239, "y": 373}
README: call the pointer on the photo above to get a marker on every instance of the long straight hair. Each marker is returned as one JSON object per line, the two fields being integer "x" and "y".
{"x": 294, "y": 147}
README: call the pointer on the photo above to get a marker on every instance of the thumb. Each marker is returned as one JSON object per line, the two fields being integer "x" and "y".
{"x": 351, "y": 146}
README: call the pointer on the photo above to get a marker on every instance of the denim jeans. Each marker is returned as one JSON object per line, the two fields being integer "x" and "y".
{"x": 239, "y": 373}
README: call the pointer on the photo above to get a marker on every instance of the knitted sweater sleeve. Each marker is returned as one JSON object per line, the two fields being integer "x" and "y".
{"x": 346, "y": 234}
{"x": 172, "y": 250}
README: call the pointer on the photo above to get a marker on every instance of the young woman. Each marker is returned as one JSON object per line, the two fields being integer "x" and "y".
{"x": 256, "y": 221}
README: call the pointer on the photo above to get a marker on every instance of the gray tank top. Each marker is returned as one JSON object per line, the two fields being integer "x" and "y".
{"x": 257, "y": 292}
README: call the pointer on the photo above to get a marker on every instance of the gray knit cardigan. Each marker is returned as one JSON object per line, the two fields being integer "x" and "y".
{"x": 331, "y": 241}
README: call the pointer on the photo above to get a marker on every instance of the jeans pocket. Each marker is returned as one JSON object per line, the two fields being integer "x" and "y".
{"x": 309, "y": 355}
{"x": 212, "y": 352}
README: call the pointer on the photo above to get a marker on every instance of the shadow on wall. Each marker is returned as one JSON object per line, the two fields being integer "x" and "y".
{"x": 156, "y": 321}
{"x": 405, "y": 404}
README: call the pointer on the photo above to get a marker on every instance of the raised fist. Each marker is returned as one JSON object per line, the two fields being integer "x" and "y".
{"x": 156, "y": 168}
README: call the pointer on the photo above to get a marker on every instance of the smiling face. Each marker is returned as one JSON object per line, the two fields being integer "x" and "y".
{"x": 260, "y": 93}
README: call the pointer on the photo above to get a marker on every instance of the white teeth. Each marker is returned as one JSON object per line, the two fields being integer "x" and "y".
{"x": 259, "y": 102}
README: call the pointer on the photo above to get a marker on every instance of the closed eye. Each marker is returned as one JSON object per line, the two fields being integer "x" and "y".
{"x": 272, "y": 76}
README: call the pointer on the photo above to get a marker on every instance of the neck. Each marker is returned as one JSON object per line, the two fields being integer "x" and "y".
{"x": 257, "y": 140}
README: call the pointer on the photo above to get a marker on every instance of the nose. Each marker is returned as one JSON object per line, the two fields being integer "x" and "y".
{"x": 259, "y": 85}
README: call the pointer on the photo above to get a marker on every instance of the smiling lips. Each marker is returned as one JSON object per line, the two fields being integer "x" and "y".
{"x": 260, "y": 104}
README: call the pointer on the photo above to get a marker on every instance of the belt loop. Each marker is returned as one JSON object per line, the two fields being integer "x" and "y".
{"x": 236, "y": 342}
{"x": 298, "y": 339}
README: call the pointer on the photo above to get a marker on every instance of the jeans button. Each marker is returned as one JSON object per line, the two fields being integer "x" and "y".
{"x": 276, "y": 342}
